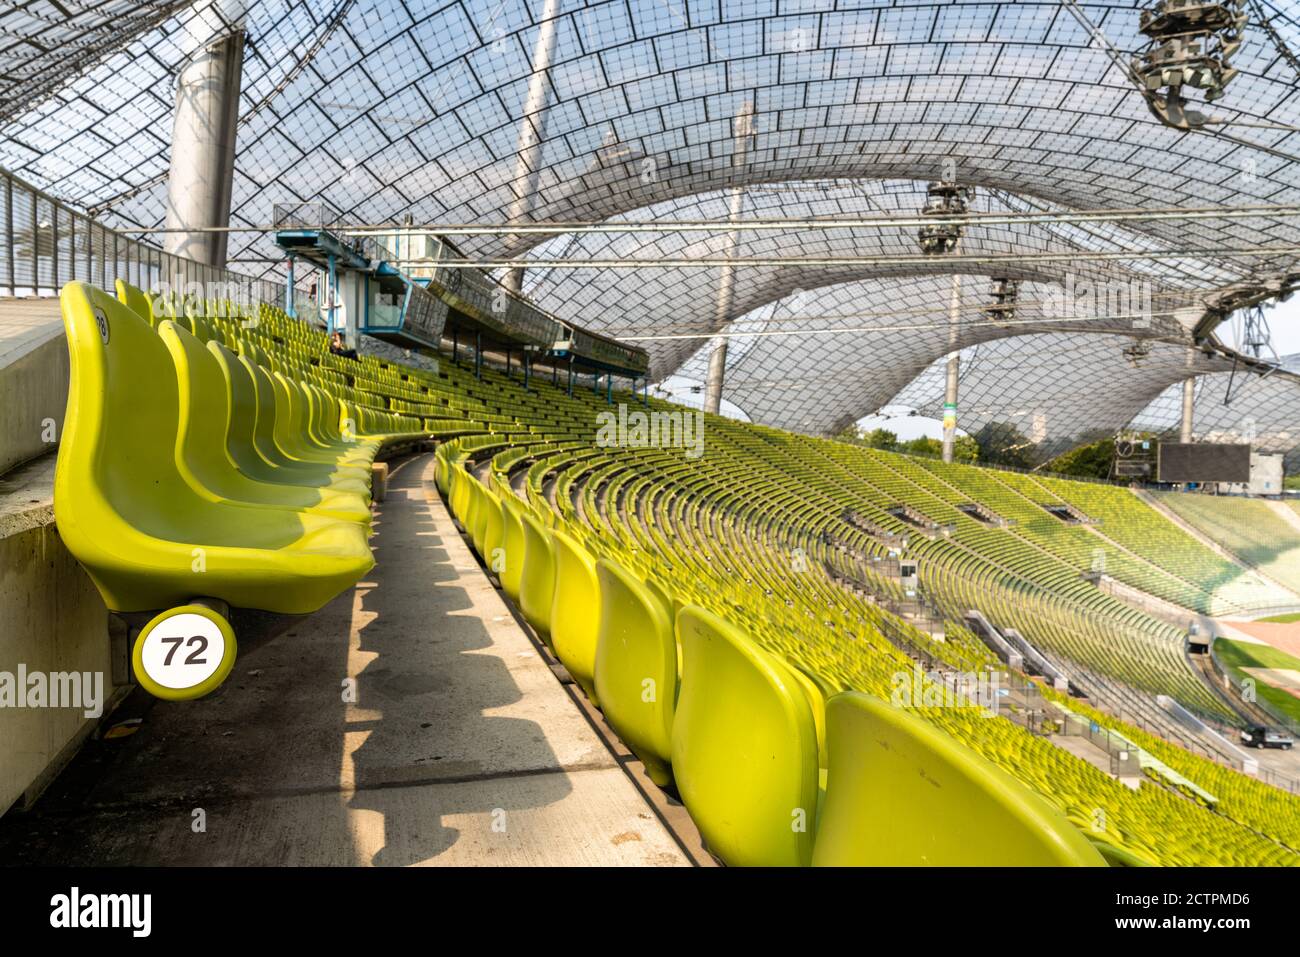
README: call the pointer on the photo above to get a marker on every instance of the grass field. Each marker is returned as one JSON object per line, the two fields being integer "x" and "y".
{"x": 1283, "y": 619}
{"x": 1236, "y": 655}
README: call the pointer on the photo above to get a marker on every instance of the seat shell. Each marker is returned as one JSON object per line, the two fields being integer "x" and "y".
{"x": 144, "y": 536}
{"x": 744, "y": 747}
{"x": 636, "y": 667}
{"x": 900, "y": 792}
{"x": 575, "y": 611}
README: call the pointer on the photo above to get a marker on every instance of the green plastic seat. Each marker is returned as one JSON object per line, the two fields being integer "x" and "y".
{"x": 144, "y": 536}
{"x": 537, "y": 582}
{"x": 744, "y": 747}
{"x": 202, "y": 455}
{"x": 900, "y": 792}
{"x": 575, "y": 611}
{"x": 636, "y": 668}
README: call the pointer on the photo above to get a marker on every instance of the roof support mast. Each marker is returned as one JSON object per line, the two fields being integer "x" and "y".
{"x": 203, "y": 134}
{"x": 532, "y": 132}
{"x": 743, "y": 131}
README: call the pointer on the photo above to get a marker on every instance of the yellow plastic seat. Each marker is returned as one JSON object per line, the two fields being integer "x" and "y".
{"x": 477, "y": 516}
{"x": 636, "y": 668}
{"x": 137, "y": 300}
{"x": 491, "y": 529}
{"x": 268, "y": 422}
{"x": 246, "y": 446}
{"x": 744, "y": 751}
{"x": 291, "y": 435}
{"x": 900, "y": 792}
{"x": 202, "y": 456}
{"x": 1117, "y": 856}
{"x": 145, "y": 537}
{"x": 315, "y": 412}
{"x": 816, "y": 705}
{"x": 512, "y": 543}
{"x": 575, "y": 611}
{"x": 537, "y": 582}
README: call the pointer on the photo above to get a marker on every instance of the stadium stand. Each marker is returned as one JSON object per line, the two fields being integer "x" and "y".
{"x": 730, "y": 622}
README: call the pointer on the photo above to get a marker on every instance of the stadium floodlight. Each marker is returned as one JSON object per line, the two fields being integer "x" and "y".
{"x": 943, "y": 199}
{"x": 1190, "y": 44}
{"x": 1006, "y": 294}
{"x": 1136, "y": 352}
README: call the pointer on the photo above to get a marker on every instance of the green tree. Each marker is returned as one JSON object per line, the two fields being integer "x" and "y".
{"x": 880, "y": 439}
{"x": 1087, "y": 461}
{"x": 966, "y": 449}
{"x": 1001, "y": 443}
{"x": 922, "y": 446}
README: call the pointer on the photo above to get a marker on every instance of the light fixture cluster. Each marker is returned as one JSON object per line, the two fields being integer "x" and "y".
{"x": 1190, "y": 44}
{"x": 1006, "y": 294}
{"x": 943, "y": 199}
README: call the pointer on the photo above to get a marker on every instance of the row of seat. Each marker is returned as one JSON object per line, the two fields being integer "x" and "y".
{"x": 186, "y": 470}
{"x": 740, "y": 536}
{"x": 671, "y": 524}
{"x": 741, "y": 734}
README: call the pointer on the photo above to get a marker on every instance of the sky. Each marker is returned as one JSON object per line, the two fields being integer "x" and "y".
{"x": 1283, "y": 322}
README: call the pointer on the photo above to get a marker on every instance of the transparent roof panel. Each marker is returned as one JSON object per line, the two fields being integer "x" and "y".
{"x": 653, "y": 112}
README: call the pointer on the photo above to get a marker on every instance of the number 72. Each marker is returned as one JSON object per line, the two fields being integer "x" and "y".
{"x": 197, "y": 640}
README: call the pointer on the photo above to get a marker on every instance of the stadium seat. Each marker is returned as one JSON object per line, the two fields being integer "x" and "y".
{"x": 744, "y": 747}
{"x": 512, "y": 542}
{"x": 145, "y": 537}
{"x": 575, "y": 611}
{"x": 492, "y": 527}
{"x": 136, "y": 299}
{"x": 537, "y": 581}
{"x": 246, "y": 447}
{"x": 202, "y": 455}
{"x": 900, "y": 792}
{"x": 636, "y": 668}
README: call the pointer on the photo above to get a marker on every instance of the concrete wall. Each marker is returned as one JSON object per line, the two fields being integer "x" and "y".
{"x": 51, "y": 620}
{"x": 33, "y": 378}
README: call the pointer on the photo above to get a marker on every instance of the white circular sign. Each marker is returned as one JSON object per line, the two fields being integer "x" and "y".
{"x": 183, "y": 651}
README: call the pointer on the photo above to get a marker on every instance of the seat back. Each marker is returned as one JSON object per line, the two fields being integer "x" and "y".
{"x": 512, "y": 542}
{"x": 744, "y": 747}
{"x": 242, "y": 424}
{"x": 901, "y": 792}
{"x": 204, "y": 409}
{"x": 537, "y": 582}
{"x": 636, "y": 667}
{"x": 267, "y": 410}
{"x": 492, "y": 527}
{"x": 122, "y": 397}
{"x": 137, "y": 300}
{"x": 575, "y": 611}
{"x": 816, "y": 705}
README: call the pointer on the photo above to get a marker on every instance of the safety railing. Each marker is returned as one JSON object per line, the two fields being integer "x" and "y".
{"x": 44, "y": 244}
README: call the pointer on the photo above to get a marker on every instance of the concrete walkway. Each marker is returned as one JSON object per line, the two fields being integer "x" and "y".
{"x": 411, "y": 721}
